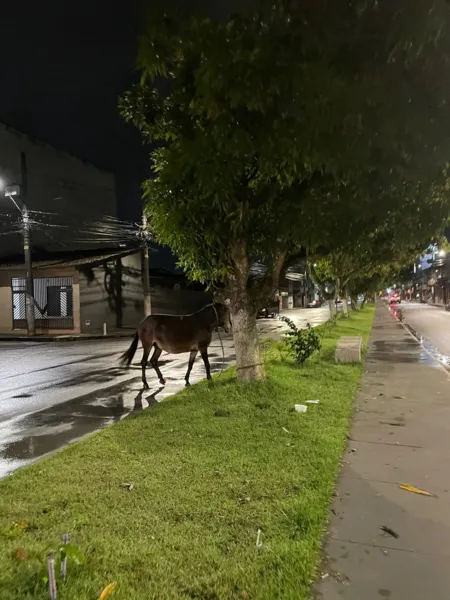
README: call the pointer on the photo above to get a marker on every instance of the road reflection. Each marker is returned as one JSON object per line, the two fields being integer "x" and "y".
{"x": 28, "y": 438}
{"x": 401, "y": 316}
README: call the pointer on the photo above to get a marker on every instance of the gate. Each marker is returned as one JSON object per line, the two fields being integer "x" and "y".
{"x": 53, "y": 303}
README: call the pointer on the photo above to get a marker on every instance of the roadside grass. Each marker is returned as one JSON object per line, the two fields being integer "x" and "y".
{"x": 209, "y": 467}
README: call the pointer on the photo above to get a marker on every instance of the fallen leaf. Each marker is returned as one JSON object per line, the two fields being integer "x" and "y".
{"x": 21, "y": 554}
{"x": 107, "y": 591}
{"x": 22, "y": 525}
{"x": 389, "y": 531}
{"x": 411, "y": 488}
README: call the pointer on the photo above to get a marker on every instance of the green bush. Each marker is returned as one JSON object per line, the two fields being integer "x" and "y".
{"x": 302, "y": 343}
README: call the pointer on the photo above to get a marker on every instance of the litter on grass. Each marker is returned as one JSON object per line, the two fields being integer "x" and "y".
{"x": 300, "y": 408}
{"x": 128, "y": 486}
{"x": 258, "y": 539}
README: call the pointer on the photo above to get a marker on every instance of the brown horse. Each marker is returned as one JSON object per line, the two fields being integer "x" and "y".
{"x": 190, "y": 333}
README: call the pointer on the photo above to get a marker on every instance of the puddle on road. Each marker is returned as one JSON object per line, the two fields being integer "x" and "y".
{"x": 26, "y": 439}
{"x": 428, "y": 348}
{"x": 394, "y": 352}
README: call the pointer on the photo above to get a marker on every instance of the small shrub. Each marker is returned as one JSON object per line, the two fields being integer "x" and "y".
{"x": 302, "y": 343}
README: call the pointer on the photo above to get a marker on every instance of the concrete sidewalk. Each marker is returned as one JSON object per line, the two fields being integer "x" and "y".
{"x": 400, "y": 434}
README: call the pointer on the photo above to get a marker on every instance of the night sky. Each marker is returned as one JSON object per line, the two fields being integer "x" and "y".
{"x": 64, "y": 66}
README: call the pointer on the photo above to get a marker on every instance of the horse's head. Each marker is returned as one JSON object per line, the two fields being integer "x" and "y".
{"x": 223, "y": 316}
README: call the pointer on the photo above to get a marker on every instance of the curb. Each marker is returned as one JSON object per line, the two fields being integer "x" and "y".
{"x": 66, "y": 338}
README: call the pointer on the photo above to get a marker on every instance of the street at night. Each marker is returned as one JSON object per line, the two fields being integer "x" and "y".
{"x": 251, "y": 201}
{"x": 54, "y": 393}
{"x": 430, "y": 322}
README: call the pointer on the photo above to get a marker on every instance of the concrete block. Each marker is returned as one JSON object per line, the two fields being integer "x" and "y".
{"x": 348, "y": 349}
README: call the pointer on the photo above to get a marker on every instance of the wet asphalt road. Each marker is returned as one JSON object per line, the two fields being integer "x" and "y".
{"x": 432, "y": 323}
{"x": 54, "y": 393}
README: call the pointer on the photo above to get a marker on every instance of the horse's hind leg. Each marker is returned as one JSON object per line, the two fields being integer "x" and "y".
{"x": 204, "y": 354}
{"x": 154, "y": 363}
{"x": 144, "y": 366}
{"x": 192, "y": 357}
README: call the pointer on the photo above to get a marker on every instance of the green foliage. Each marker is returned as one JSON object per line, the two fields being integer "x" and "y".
{"x": 302, "y": 343}
{"x": 72, "y": 553}
{"x": 362, "y": 270}
{"x": 315, "y": 124}
{"x": 295, "y": 126}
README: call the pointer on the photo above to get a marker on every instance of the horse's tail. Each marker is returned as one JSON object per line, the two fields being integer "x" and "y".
{"x": 127, "y": 356}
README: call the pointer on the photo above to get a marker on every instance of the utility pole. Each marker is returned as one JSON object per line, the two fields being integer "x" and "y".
{"x": 146, "y": 267}
{"x": 29, "y": 293}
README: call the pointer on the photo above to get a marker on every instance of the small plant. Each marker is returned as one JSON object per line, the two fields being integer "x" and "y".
{"x": 302, "y": 343}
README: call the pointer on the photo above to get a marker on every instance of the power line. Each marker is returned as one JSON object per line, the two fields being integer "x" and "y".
{"x": 104, "y": 230}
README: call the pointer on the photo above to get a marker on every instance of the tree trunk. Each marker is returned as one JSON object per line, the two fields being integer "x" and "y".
{"x": 332, "y": 307}
{"x": 345, "y": 303}
{"x": 354, "y": 302}
{"x": 363, "y": 301}
{"x": 332, "y": 303}
{"x": 345, "y": 308}
{"x": 246, "y": 297}
{"x": 250, "y": 366}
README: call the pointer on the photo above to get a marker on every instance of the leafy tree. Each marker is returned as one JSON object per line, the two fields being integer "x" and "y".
{"x": 300, "y": 125}
{"x": 366, "y": 266}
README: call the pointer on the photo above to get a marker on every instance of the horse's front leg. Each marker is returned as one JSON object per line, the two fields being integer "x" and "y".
{"x": 204, "y": 354}
{"x": 144, "y": 366}
{"x": 154, "y": 363}
{"x": 192, "y": 358}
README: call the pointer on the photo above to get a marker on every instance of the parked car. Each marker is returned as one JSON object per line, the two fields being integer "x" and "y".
{"x": 272, "y": 309}
{"x": 395, "y": 298}
{"x": 339, "y": 301}
{"x": 315, "y": 304}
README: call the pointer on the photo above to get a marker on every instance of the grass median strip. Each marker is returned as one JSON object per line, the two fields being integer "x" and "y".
{"x": 220, "y": 492}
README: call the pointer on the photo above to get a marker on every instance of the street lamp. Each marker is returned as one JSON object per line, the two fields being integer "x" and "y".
{"x": 19, "y": 192}
{"x": 13, "y": 191}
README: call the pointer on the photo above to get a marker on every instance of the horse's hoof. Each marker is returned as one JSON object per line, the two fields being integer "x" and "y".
{"x": 146, "y": 386}
{"x": 163, "y": 381}
{"x": 188, "y": 384}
